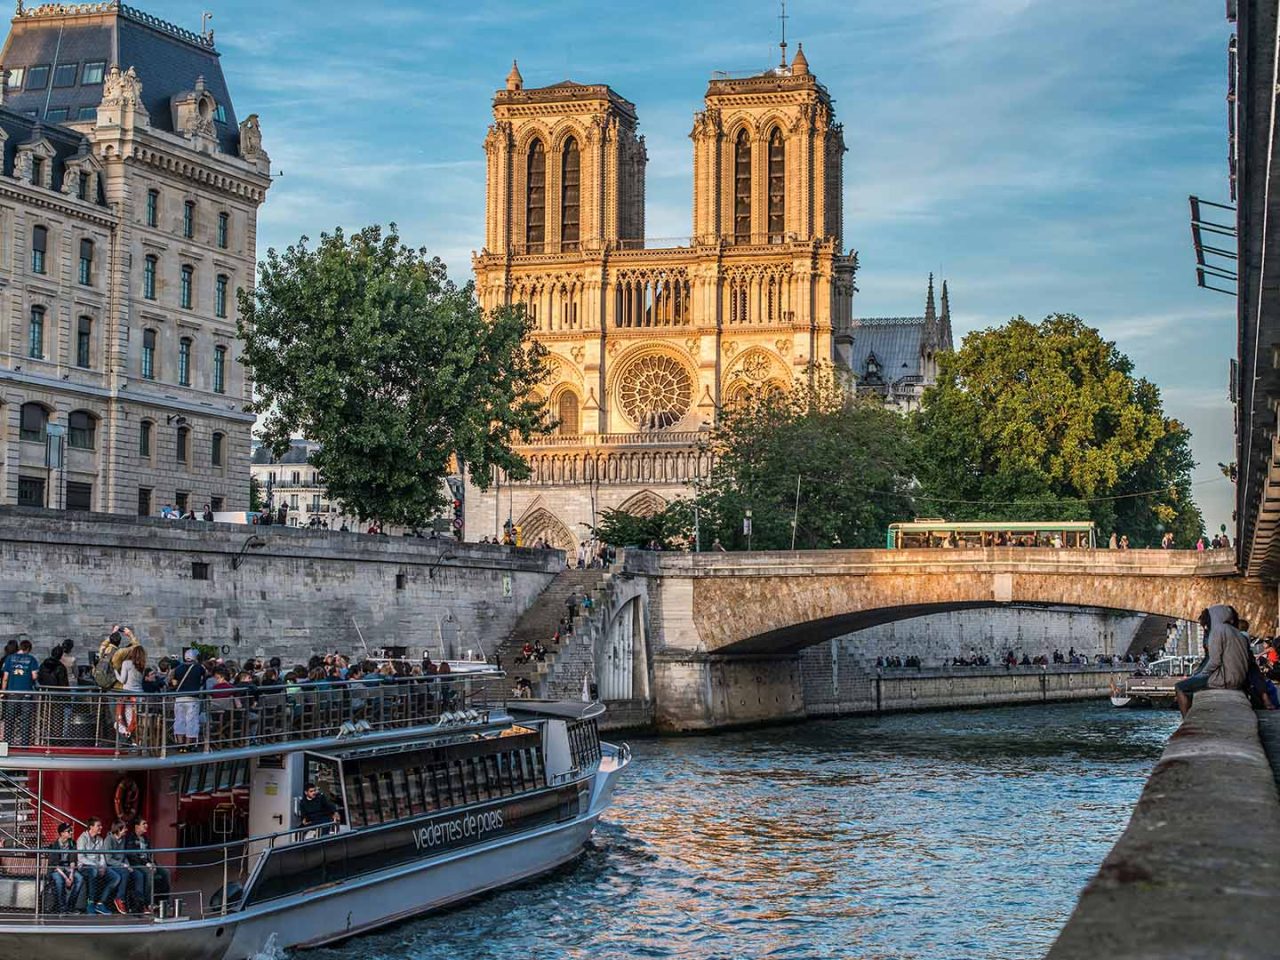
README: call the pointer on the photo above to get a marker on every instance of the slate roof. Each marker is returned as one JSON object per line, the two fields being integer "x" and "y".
{"x": 894, "y": 340}
{"x": 298, "y": 452}
{"x": 22, "y": 129}
{"x": 167, "y": 58}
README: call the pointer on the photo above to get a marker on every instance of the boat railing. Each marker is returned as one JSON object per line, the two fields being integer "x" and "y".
{"x": 122, "y": 723}
{"x": 198, "y": 882}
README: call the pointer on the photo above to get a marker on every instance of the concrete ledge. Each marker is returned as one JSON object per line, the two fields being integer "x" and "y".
{"x": 1197, "y": 872}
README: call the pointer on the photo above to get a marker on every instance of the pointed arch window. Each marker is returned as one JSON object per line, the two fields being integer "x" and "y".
{"x": 777, "y": 186}
{"x": 570, "y": 194}
{"x": 568, "y": 414}
{"x": 535, "y": 224}
{"x": 742, "y": 188}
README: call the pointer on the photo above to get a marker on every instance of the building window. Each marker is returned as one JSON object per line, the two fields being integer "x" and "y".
{"x": 216, "y": 504}
{"x": 82, "y": 185}
{"x": 81, "y": 427}
{"x": 144, "y": 501}
{"x": 293, "y": 501}
{"x": 16, "y": 76}
{"x": 79, "y": 496}
{"x": 742, "y": 188}
{"x": 189, "y": 219}
{"x": 224, "y": 229}
{"x": 92, "y": 72}
{"x": 86, "y": 261}
{"x": 188, "y": 281}
{"x": 64, "y": 75}
{"x": 84, "y": 342}
{"x": 199, "y": 570}
{"x": 56, "y": 114}
{"x": 219, "y": 369}
{"x": 220, "y": 113}
{"x": 220, "y": 295}
{"x": 148, "y": 355}
{"x": 37, "y": 178}
{"x": 35, "y": 423}
{"x": 777, "y": 186}
{"x": 149, "y": 278}
{"x": 153, "y": 207}
{"x": 570, "y": 192}
{"x": 568, "y": 413}
{"x": 144, "y": 439}
{"x": 39, "y": 244}
{"x": 38, "y": 77}
{"x": 180, "y": 499}
{"x": 536, "y": 198}
{"x": 87, "y": 113}
{"x": 35, "y": 334}
{"x": 183, "y": 453}
{"x": 184, "y": 362}
{"x": 217, "y": 449}
{"x": 30, "y": 492}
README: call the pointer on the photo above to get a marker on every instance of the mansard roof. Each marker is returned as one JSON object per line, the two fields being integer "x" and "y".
{"x": 21, "y": 130}
{"x": 298, "y": 453}
{"x": 167, "y": 59}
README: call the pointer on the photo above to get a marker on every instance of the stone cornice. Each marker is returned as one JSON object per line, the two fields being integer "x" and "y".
{"x": 59, "y": 202}
{"x": 225, "y": 174}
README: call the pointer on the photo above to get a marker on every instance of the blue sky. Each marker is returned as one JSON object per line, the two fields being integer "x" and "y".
{"x": 1037, "y": 153}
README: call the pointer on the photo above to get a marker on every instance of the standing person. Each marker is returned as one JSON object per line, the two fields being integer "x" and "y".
{"x": 92, "y": 863}
{"x": 571, "y": 602}
{"x": 207, "y": 516}
{"x": 69, "y": 661}
{"x": 188, "y": 681}
{"x": 1200, "y": 545}
{"x": 19, "y": 677}
{"x": 1114, "y": 542}
{"x": 131, "y": 673}
{"x": 1124, "y": 542}
{"x": 64, "y": 879}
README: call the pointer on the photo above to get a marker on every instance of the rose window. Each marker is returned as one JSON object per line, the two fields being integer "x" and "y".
{"x": 656, "y": 392}
{"x": 756, "y": 367}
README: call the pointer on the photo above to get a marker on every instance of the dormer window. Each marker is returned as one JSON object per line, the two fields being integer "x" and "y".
{"x": 82, "y": 185}
{"x": 65, "y": 74}
{"x": 873, "y": 368}
{"x": 16, "y": 76}
{"x": 56, "y": 114}
{"x": 37, "y": 171}
{"x": 220, "y": 114}
{"x": 38, "y": 77}
{"x": 93, "y": 73}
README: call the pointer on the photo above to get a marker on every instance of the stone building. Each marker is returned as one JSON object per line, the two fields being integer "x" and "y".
{"x": 896, "y": 358}
{"x": 648, "y": 343}
{"x": 128, "y": 220}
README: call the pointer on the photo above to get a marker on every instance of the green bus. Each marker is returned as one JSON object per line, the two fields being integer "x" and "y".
{"x": 930, "y": 534}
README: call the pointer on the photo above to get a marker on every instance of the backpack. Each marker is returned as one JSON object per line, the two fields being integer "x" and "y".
{"x": 47, "y": 676}
{"x": 104, "y": 675}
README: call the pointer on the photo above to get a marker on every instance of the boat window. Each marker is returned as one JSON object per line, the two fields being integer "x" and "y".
{"x": 368, "y": 791}
{"x": 394, "y": 790}
{"x": 456, "y": 792}
{"x": 414, "y": 787}
{"x": 355, "y": 812}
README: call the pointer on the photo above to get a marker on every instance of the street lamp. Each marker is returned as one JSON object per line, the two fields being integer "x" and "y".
{"x": 746, "y": 527}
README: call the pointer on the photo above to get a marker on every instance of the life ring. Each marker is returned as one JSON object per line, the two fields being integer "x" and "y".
{"x": 126, "y": 799}
{"x": 127, "y": 716}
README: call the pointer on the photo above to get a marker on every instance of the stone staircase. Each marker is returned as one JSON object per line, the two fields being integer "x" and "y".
{"x": 558, "y": 677}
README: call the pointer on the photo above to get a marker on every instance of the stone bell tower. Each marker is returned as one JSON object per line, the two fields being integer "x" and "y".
{"x": 565, "y": 169}
{"x": 768, "y": 160}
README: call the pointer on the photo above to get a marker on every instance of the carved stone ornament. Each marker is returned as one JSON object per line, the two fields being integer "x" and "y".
{"x": 694, "y": 345}
{"x": 784, "y": 346}
{"x": 756, "y": 367}
{"x": 730, "y": 349}
{"x": 577, "y": 352}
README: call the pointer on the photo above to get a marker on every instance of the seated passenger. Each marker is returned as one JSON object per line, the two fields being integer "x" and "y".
{"x": 92, "y": 865}
{"x": 147, "y": 880}
{"x": 64, "y": 880}
{"x": 315, "y": 809}
{"x": 118, "y": 872}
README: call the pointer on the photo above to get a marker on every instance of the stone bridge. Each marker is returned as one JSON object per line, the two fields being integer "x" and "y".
{"x": 769, "y": 603}
{"x": 725, "y": 628}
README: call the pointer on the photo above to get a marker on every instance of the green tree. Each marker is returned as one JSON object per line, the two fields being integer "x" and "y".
{"x": 255, "y": 494}
{"x": 1047, "y": 421}
{"x": 838, "y": 464}
{"x": 669, "y": 527}
{"x": 365, "y": 345}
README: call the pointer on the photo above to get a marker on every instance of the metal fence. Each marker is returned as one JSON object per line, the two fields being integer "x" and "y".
{"x": 158, "y": 724}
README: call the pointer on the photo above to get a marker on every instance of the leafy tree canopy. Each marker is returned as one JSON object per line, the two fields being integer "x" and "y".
{"x": 668, "y": 527}
{"x": 839, "y": 465}
{"x": 1047, "y": 421}
{"x": 366, "y": 346}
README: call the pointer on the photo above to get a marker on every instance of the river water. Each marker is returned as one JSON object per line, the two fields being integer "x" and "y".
{"x": 949, "y": 836}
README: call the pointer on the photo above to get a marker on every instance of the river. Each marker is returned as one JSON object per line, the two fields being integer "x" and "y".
{"x": 950, "y": 836}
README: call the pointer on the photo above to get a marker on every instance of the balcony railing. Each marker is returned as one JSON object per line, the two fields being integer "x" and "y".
{"x": 642, "y": 438}
{"x": 119, "y": 723}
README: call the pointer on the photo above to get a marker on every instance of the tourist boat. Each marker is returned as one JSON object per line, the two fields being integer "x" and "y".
{"x": 443, "y": 790}
{"x": 1155, "y": 686}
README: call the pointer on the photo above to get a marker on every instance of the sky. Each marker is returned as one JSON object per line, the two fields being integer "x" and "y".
{"x": 1038, "y": 154}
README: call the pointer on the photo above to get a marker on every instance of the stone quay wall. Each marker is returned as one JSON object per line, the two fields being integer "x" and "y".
{"x": 257, "y": 591}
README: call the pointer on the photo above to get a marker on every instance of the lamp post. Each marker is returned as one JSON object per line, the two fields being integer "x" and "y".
{"x": 746, "y": 527}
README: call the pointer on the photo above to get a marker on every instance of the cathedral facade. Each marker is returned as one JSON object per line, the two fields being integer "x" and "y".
{"x": 648, "y": 343}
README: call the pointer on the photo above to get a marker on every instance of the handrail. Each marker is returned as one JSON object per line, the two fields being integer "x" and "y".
{"x": 207, "y": 721}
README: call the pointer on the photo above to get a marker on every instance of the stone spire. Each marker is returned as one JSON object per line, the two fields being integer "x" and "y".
{"x": 800, "y": 65}
{"x": 929, "y": 336}
{"x": 945, "y": 341}
{"x": 514, "y": 80}
{"x": 930, "y": 312}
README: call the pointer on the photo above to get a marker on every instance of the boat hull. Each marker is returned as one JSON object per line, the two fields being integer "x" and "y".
{"x": 328, "y": 914}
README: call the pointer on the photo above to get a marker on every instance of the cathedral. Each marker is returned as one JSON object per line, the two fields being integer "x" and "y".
{"x": 647, "y": 343}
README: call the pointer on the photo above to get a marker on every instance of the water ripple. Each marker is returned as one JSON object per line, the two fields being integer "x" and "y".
{"x": 964, "y": 835}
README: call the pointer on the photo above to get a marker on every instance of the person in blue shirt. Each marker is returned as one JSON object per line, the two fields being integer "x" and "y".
{"x": 18, "y": 676}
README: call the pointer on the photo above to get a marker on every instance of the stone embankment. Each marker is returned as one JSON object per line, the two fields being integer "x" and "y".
{"x": 1196, "y": 873}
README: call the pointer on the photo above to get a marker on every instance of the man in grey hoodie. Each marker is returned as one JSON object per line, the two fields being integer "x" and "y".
{"x": 1226, "y": 665}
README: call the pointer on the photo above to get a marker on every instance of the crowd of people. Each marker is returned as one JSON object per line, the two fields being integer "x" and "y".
{"x": 1013, "y": 658}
